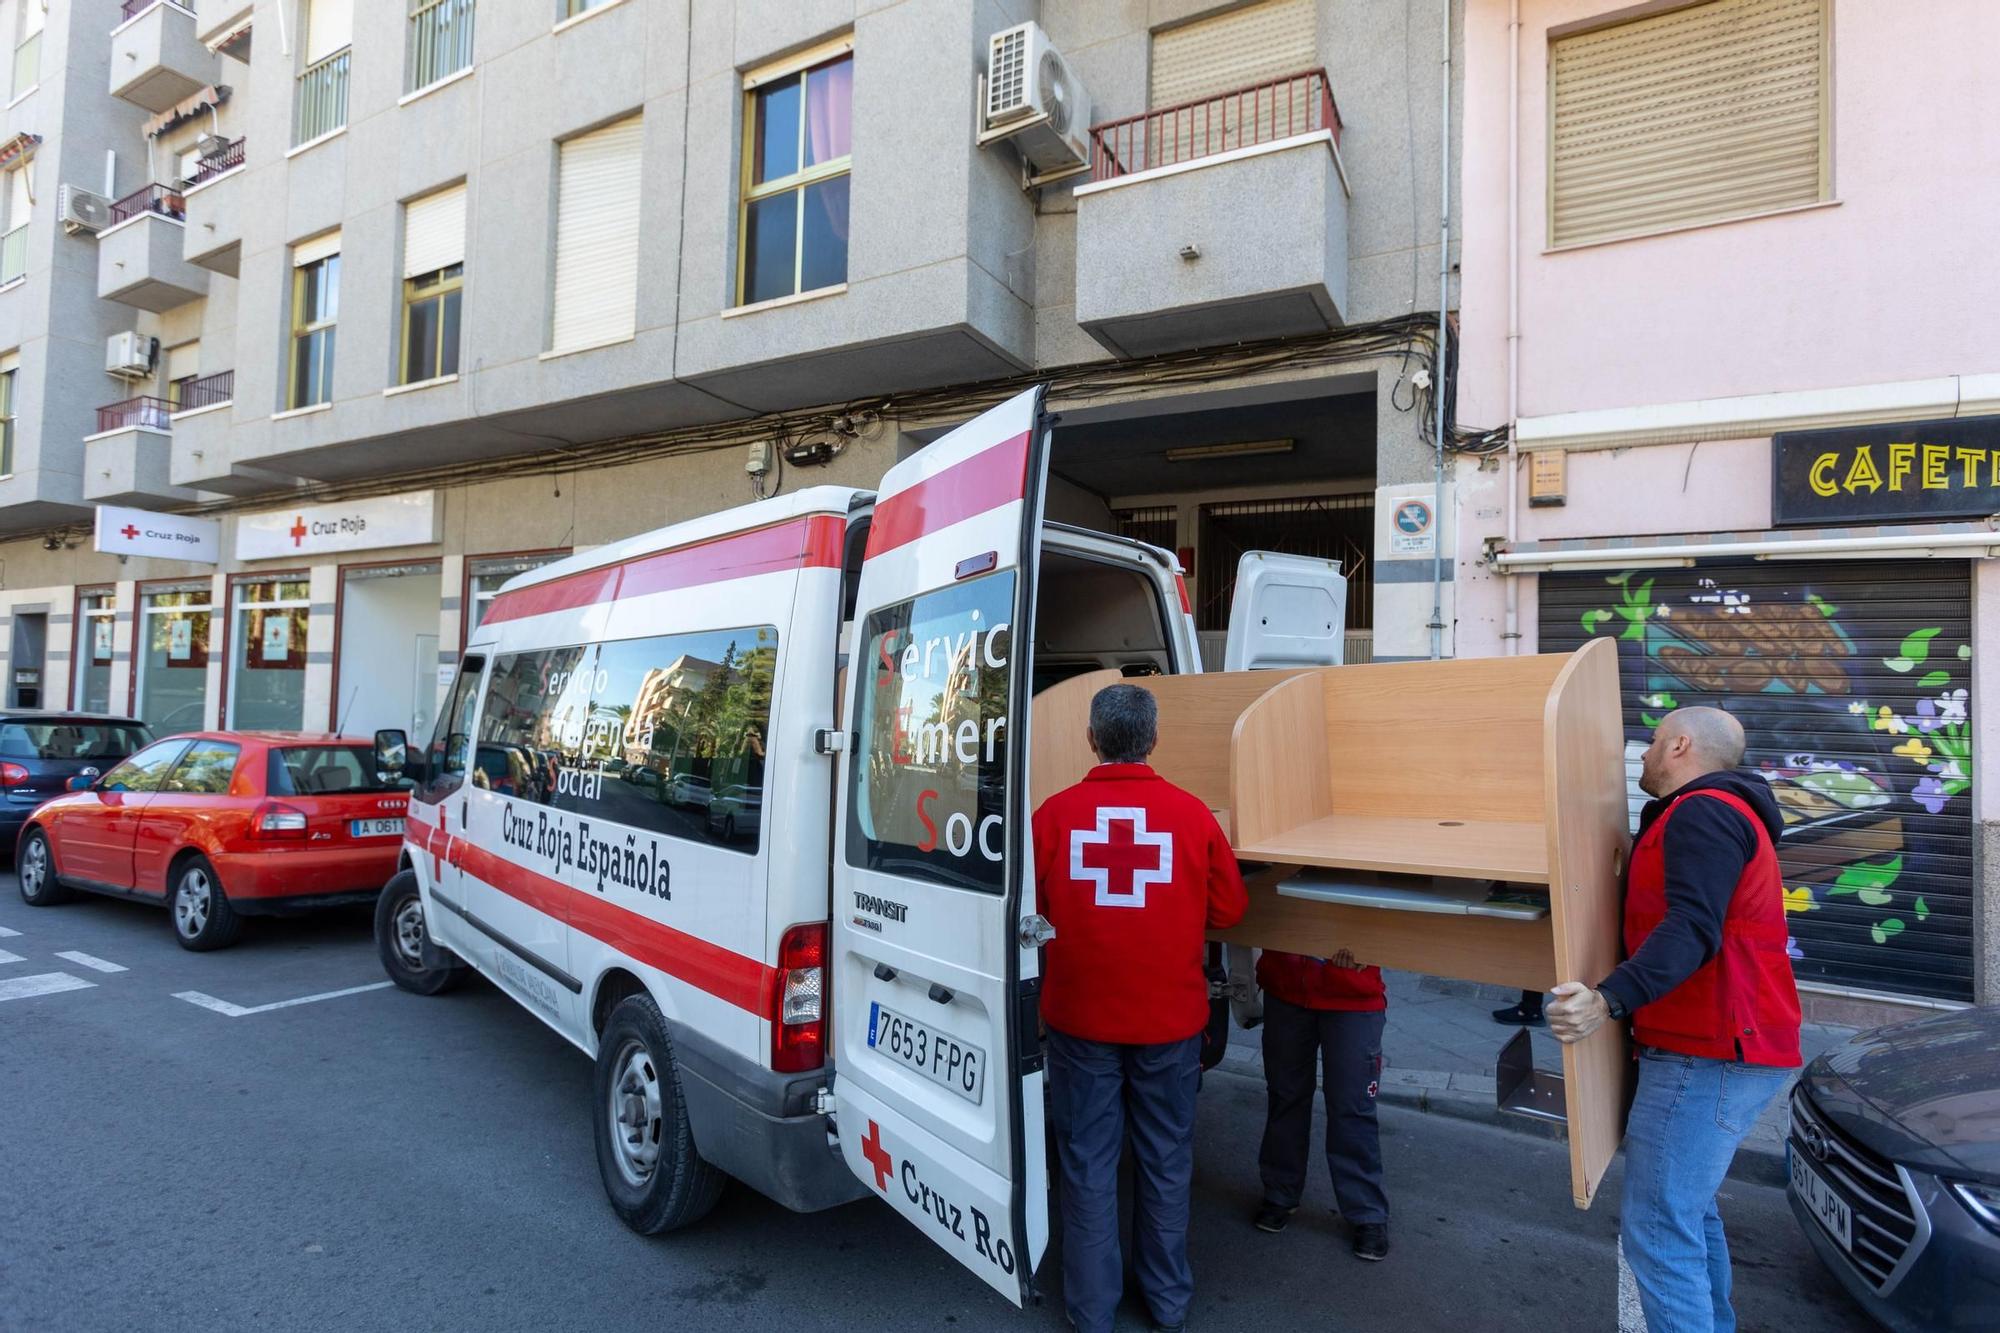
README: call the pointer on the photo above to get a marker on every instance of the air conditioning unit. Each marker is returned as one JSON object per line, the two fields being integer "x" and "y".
{"x": 1033, "y": 100}
{"x": 208, "y": 145}
{"x": 130, "y": 355}
{"x": 81, "y": 210}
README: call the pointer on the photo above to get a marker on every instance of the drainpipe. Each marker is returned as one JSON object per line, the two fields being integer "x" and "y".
{"x": 1510, "y": 581}
{"x": 1437, "y": 374}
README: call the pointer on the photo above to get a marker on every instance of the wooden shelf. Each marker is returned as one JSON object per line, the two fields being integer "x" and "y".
{"x": 1469, "y": 849}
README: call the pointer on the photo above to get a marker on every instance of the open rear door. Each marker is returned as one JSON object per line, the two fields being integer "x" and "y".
{"x": 1287, "y": 611}
{"x": 938, "y": 1061}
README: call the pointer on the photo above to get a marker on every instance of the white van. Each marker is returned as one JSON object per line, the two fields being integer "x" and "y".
{"x": 801, "y": 950}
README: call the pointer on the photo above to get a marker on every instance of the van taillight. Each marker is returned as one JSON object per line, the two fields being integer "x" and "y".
{"x": 273, "y": 820}
{"x": 798, "y": 1000}
{"x": 12, "y": 775}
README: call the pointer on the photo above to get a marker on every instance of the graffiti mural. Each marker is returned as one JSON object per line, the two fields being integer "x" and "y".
{"x": 1852, "y": 682}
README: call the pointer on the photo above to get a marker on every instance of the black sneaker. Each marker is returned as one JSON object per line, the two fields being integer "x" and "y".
{"x": 1272, "y": 1217}
{"x": 1518, "y": 1015}
{"x": 1159, "y": 1327}
{"x": 1371, "y": 1241}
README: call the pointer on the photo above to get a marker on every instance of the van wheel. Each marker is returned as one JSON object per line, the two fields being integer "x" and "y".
{"x": 400, "y": 935}
{"x": 37, "y": 868}
{"x": 203, "y": 918}
{"x": 655, "y": 1179}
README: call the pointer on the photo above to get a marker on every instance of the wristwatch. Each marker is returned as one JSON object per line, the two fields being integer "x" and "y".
{"x": 1614, "y": 1006}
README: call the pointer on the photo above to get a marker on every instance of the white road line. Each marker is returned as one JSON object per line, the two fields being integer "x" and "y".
{"x": 6, "y": 957}
{"x": 228, "y": 1010}
{"x": 94, "y": 964}
{"x": 6, "y": 934}
{"x": 48, "y": 983}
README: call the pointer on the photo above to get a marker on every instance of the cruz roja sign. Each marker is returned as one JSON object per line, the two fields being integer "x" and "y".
{"x": 351, "y": 525}
{"x": 1911, "y": 471}
{"x": 122, "y": 531}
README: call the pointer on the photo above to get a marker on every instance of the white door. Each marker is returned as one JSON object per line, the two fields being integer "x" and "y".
{"x": 938, "y": 1061}
{"x": 1287, "y": 611}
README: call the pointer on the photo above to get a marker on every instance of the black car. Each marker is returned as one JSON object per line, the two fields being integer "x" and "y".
{"x": 1894, "y": 1156}
{"x": 40, "y": 752}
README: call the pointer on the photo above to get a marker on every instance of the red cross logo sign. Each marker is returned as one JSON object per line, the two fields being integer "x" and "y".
{"x": 1120, "y": 857}
{"x": 878, "y": 1156}
{"x": 128, "y": 532}
{"x": 298, "y": 532}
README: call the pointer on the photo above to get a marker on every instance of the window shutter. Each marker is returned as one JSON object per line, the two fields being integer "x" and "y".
{"x": 1698, "y": 114}
{"x": 597, "y": 238}
{"x": 316, "y": 249}
{"x": 434, "y": 232}
{"x": 20, "y": 207}
{"x": 329, "y": 26}
{"x": 34, "y": 17}
{"x": 183, "y": 361}
{"x": 1233, "y": 50}
{"x": 9, "y": 362}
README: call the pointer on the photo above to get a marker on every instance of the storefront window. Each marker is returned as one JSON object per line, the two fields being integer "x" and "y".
{"x": 173, "y": 657}
{"x": 92, "y": 651}
{"x": 484, "y": 577}
{"x": 267, "y": 662}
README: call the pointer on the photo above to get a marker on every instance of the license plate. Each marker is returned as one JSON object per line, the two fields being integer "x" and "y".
{"x": 1828, "y": 1209}
{"x": 375, "y": 828}
{"x": 939, "y": 1057}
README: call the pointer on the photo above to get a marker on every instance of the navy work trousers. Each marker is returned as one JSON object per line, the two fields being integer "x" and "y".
{"x": 1347, "y": 1046}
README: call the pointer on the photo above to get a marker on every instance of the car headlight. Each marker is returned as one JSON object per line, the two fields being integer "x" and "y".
{"x": 1982, "y": 1201}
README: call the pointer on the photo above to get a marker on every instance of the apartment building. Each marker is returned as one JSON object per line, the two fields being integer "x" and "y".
{"x": 1729, "y": 278}
{"x": 408, "y": 296}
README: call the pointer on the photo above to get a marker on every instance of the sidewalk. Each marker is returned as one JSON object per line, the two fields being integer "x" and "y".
{"x": 1441, "y": 1043}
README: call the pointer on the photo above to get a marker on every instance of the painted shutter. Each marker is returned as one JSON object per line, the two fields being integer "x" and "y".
{"x": 34, "y": 17}
{"x": 20, "y": 206}
{"x": 1233, "y": 50}
{"x": 1714, "y": 111}
{"x": 434, "y": 232}
{"x": 597, "y": 238}
{"x": 316, "y": 249}
{"x": 1853, "y": 683}
{"x": 329, "y": 26}
{"x": 183, "y": 361}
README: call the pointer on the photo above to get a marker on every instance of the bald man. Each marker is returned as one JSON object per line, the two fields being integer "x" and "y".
{"x": 1708, "y": 986}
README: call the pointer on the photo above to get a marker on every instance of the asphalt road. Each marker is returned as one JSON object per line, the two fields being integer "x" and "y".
{"x": 381, "y": 1161}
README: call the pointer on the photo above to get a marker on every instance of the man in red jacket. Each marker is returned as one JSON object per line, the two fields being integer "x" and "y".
{"x": 1132, "y": 872}
{"x": 1325, "y": 1012}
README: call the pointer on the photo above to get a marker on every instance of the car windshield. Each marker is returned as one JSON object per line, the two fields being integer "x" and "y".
{"x": 316, "y": 770}
{"x": 62, "y": 739}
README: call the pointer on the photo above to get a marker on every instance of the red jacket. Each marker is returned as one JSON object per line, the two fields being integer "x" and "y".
{"x": 1741, "y": 1004}
{"x": 1315, "y": 983}
{"x": 1132, "y": 872}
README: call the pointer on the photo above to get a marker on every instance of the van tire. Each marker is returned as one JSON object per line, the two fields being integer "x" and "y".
{"x": 399, "y": 940}
{"x": 655, "y": 1179}
{"x": 198, "y": 908}
{"x": 36, "y": 862}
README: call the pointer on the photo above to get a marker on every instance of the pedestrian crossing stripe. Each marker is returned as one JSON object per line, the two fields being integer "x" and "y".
{"x": 47, "y": 983}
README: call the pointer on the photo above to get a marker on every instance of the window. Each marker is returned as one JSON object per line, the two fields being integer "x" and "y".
{"x": 1712, "y": 111}
{"x": 146, "y": 770}
{"x": 597, "y": 238}
{"x": 69, "y": 740}
{"x": 484, "y": 579}
{"x": 451, "y": 742}
{"x": 322, "y": 97}
{"x": 183, "y": 368}
{"x": 315, "y": 308}
{"x": 314, "y": 770}
{"x": 96, "y": 620}
{"x": 571, "y": 8}
{"x": 930, "y": 774}
{"x": 10, "y": 374}
{"x": 20, "y": 212}
{"x": 267, "y": 684}
{"x": 795, "y": 171}
{"x": 28, "y": 45}
{"x": 173, "y": 656}
{"x": 440, "y": 41}
{"x": 433, "y": 276}
{"x": 664, "y": 734}
{"x": 205, "y": 770}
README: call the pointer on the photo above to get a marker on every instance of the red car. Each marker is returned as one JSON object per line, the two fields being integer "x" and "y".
{"x": 220, "y": 825}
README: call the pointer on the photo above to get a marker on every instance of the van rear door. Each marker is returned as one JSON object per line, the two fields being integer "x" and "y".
{"x": 938, "y": 1064}
{"x": 1287, "y": 611}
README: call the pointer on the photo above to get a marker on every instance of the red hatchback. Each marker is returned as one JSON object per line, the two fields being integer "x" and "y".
{"x": 220, "y": 825}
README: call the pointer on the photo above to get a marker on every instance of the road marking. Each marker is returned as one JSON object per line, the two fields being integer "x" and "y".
{"x": 48, "y": 983}
{"x": 94, "y": 964}
{"x": 6, "y": 934}
{"x": 228, "y": 1010}
{"x": 6, "y": 957}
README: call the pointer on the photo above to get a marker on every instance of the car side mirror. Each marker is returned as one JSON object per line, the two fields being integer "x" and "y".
{"x": 83, "y": 781}
{"x": 392, "y": 752}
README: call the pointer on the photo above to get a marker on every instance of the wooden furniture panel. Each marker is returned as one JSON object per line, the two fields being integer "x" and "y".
{"x": 1471, "y": 849}
{"x": 1059, "y": 745}
{"x": 1279, "y": 780}
{"x": 1197, "y": 721}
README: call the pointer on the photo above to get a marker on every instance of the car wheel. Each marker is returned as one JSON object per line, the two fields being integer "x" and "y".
{"x": 400, "y": 936}
{"x": 645, "y": 1150}
{"x": 36, "y": 866}
{"x": 203, "y": 918}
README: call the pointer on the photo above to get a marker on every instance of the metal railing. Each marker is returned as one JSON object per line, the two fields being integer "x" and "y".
{"x": 145, "y": 411}
{"x": 198, "y": 391}
{"x": 1240, "y": 118}
{"x": 164, "y": 200}
{"x": 440, "y": 42}
{"x": 322, "y": 105}
{"x": 14, "y": 254}
{"x": 132, "y": 9}
{"x": 226, "y": 158}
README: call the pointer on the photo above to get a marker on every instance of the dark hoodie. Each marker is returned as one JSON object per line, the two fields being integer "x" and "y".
{"x": 1706, "y": 846}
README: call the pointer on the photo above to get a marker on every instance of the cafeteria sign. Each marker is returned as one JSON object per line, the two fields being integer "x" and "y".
{"x": 1913, "y": 470}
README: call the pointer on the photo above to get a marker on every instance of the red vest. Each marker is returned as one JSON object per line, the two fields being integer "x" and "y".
{"x": 1313, "y": 983}
{"x": 1742, "y": 1003}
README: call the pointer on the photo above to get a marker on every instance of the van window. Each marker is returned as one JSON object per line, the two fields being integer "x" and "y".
{"x": 664, "y": 734}
{"x": 930, "y": 774}
{"x": 451, "y": 741}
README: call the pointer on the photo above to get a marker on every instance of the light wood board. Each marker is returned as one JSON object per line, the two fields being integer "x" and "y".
{"x": 1470, "y": 849}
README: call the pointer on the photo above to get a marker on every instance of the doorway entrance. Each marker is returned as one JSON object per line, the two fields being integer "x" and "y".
{"x": 386, "y": 667}
{"x": 31, "y": 638}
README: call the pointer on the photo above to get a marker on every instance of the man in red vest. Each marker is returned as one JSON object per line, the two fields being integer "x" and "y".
{"x": 1323, "y": 1013}
{"x": 1132, "y": 872}
{"x": 1715, "y": 1015}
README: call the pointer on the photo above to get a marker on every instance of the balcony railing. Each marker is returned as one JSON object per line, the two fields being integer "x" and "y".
{"x": 199, "y": 391}
{"x": 226, "y": 158}
{"x": 1240, "y": 118}
{"x": 164, "y": 200}
{"x": 133, "y": 412}
{"x": 14, "y": 254}
{"x": 322, "y": 107}
{"x": 440, "y": 42}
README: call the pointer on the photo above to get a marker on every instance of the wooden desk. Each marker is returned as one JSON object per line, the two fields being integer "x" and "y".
{"x": 1468, "y": 848}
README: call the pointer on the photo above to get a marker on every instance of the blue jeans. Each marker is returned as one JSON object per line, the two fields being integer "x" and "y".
{"x": 1687, "y": 1120}
{"x": 1100, "y": 1091}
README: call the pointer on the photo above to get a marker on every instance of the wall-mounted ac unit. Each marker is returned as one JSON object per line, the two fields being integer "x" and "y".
{"x": 208, "y": 145}
{"x": 130, "y": 355}
{"x": 82, "y": 210}
{"x": 1034, "y": 100}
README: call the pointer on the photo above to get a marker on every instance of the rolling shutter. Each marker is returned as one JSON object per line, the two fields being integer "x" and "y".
{"x": 1853, "y": 684}
{"x": 434, "y": 232}
{"x": 329, "y": 27}
{"x": 1714, "y": 111}
{"x": 597, "y": 238}
{"x": 183, "y": 361}
{"x": 318, "y": 248}
{"x": 20, "y": 203}
{"x": 1233, "y": 50}
{"x": 34, "y": 17}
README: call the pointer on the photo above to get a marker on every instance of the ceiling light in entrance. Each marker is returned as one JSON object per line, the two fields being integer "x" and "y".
{"x": 1194, "y": 452}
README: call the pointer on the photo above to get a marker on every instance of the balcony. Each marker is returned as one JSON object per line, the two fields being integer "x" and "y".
{"x": 1217, "y": 221}
{"x": 128, "y": 460}
{"x": 322, "y": 99}
{"x": 213, "y": 237}
{"x": 224, "y": 26}
{"x": 156, "y": 60}
{"x": 440, "y": 42}
{"x": 198, "y": 393}
{"x": 139, "y": 256}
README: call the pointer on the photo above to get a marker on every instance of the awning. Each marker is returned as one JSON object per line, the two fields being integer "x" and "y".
{"x": 187, "y": 109}
{"x": 18, "y": 149}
